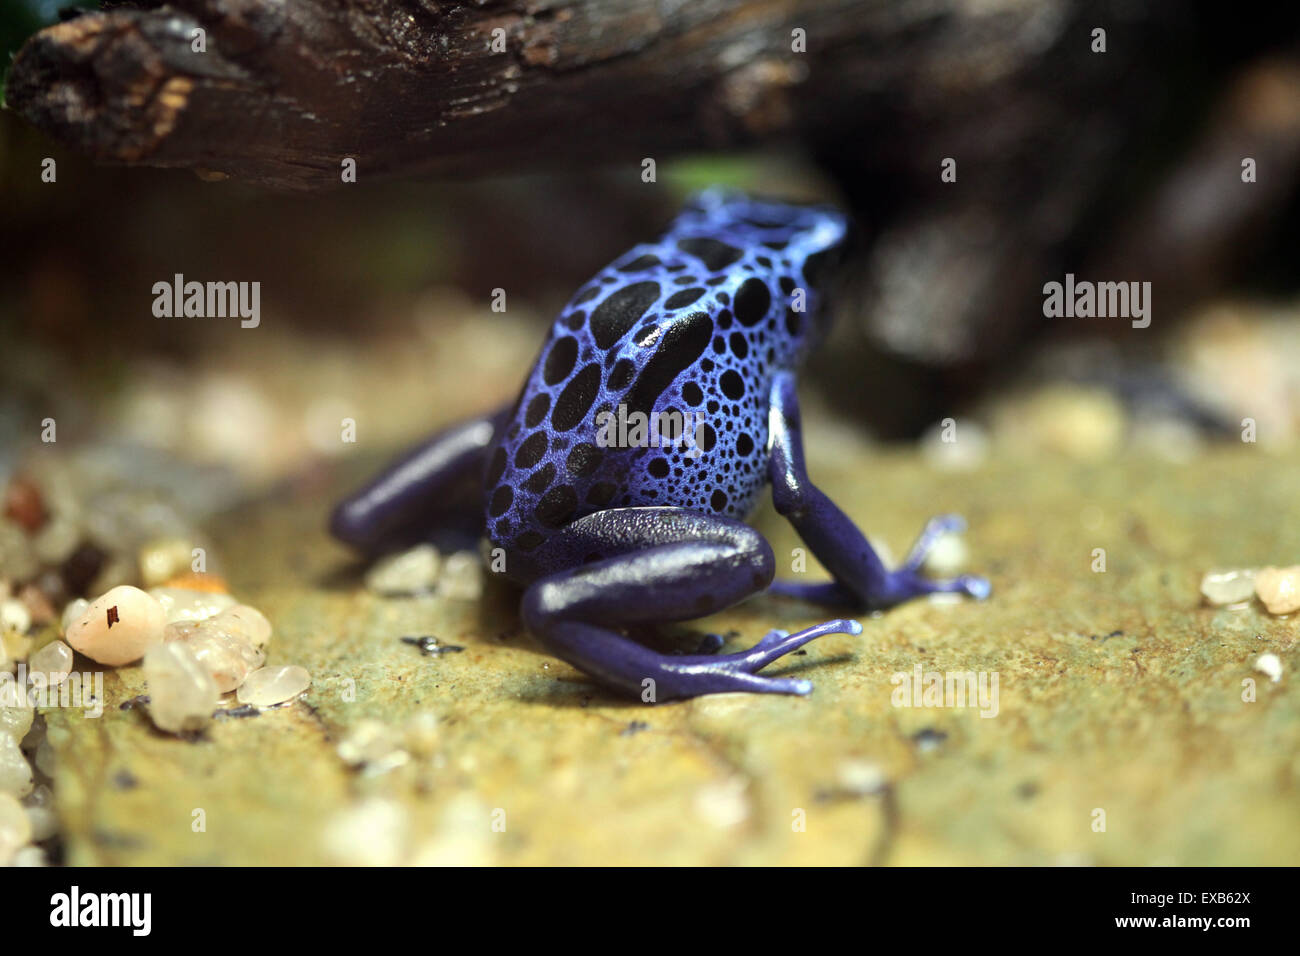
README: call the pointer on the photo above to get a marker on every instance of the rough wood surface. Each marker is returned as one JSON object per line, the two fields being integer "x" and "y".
{"x": 284, "y": 92}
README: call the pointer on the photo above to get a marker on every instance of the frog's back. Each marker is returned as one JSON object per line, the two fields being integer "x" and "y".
{"x": 682, "y": 334}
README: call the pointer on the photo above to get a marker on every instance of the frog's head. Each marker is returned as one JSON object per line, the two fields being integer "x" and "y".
{"x": 812, "y": 239}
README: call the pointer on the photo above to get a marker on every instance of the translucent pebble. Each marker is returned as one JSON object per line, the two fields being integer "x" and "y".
{"x": 16, "y": 555}
{"x": 183, "y": 604}
{"x": 163, "y": 558}
{"x": 14, "y": 616}
{"x": 119, "y": 626}
{"x": 462, "y": 577}
{"x": 16, "y": 721}
{"x": 182, "y": 694}
{"x": 227, "y": 658}
{"x": 422, "y": 734}
{"x": 370, "y": 742}
{"x": 54, "y": 660}
{"x": 1222, "y": 588}
{"x": 180, "y": 630}
{"x": 38, "y": 605}
{"x": 1279, "y": 589}
{"x": 14, "y": 647}
{"x": 246, "y": 623}
{"x": 76, "y": 608}
{"x": 15, "y": 771}
{"x": 15, "y": 829}
{"x": 274, "y": 685}
{"x": 43, "y": 820}
{"x": 46, "y": 759}
{"x": 410, "y": 572}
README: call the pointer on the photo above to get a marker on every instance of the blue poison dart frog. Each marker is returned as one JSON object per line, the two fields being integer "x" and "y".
{"x": 616, "y": 486}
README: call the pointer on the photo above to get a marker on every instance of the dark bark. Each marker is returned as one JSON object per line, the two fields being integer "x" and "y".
{"x": 285, "y": 91}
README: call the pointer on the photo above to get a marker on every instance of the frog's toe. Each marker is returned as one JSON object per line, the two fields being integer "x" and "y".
{"x": 787, "y": 685}
{"x": 977, "y": 587}
{"x": 710, "y": 644}
{"x": 772, "y": 637}
{"x": 937, "y": 527}
{"x": 778, "y": 644}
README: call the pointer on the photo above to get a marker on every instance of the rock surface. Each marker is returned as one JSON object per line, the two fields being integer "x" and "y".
{"x": 1119, "y": 692}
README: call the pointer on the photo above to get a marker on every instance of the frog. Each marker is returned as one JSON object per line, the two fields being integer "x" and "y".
{"x": 613, "y": 532}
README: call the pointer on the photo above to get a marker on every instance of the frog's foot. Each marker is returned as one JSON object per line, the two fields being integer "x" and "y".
{"x": 647, "y": 576}
{"x": 904, "y": 584}
{"x": 777, "y": 644}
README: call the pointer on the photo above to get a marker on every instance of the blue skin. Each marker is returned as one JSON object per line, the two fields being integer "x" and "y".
{"x": 607, "y": 538}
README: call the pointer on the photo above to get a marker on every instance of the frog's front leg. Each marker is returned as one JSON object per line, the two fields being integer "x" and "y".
{"x": 439, "y": 480}
{"x": 636, "y": 566}
{"x": 860, "y": 577}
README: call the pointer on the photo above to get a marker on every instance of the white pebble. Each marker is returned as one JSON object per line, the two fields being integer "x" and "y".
{"x": 118, "y": 626}
{"x": 15, "y": 829}
{"x": 947, "y": 556}
{"x": 54, "y": 660}
{"x": 462, "y": 577}
{"x": 15, "y": 771}
{"x": 375, "y": 832}
{"x": 861, "y": 777}
{"x": 273, "y": 685}
{"x": 245, "y": 622}
{"x": 29, "y": 856}
{"x": 182, "y": 694}
{"x": 1222, "y": 588}
{"x": 955, "y": 446}
{"x": 183, "y": 604}
{"x": 14, "y": 616}
{"x": 1270, "y": 665}
{"x": 723, "y": 804}
{"x": 1279, "y": 589}
{"x": 410, "y": 572}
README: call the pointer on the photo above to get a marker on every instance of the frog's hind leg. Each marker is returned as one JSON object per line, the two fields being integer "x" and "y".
{"x": 438, "y": 482}
{"x": 655, "y": 565}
